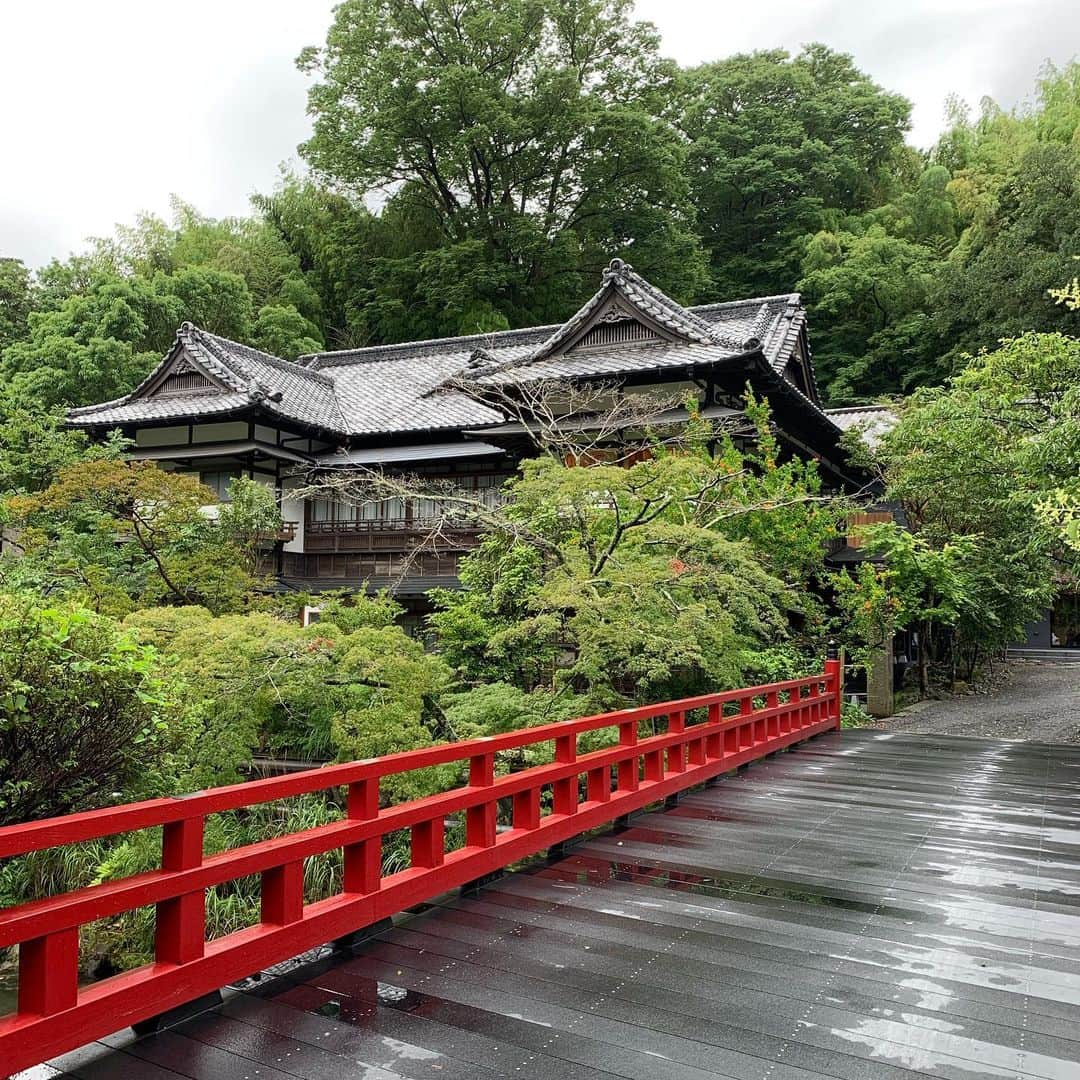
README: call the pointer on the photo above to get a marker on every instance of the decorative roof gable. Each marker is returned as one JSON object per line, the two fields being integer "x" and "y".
{"x": 204, "y": 373}
{"x": 628, "y": 309}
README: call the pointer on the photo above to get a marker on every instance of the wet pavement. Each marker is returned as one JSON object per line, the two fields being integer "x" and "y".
{"x": 1038, "y": 700}
{"x": 868, "y": 906}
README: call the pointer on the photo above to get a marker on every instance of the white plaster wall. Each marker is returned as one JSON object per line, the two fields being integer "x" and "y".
{"x": 161, "y": 436}
{"x": 219, "y": 432}
{"x": 292, "y": 509}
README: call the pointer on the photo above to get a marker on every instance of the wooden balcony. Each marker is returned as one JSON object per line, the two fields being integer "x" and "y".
{"x": 381, "y": 535}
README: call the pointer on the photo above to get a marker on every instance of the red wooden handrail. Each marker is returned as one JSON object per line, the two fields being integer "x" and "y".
{"x": 55, "y": 1014}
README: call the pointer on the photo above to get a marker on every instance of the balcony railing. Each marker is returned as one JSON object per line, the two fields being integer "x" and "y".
{"x": 386, "y": 534}
{"x": 381, "y": 525}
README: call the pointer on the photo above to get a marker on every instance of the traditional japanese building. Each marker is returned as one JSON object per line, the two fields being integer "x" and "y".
{"x": 219, "y": 409}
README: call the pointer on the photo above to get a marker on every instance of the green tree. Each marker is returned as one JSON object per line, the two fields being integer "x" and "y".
{"x": 870, "y": 294}
{"x": 348, "y": 691}
{"x": 971, "y": 463}
{"x": 780, "y": 147}
{"x": 35, "y": 446}
{"x": 121, "y": 534}
{"x": 16, "y": 301}
{"x": 82, "y": 712}
{"x": 660, "y": 579}
{"x": 523, "y": 146}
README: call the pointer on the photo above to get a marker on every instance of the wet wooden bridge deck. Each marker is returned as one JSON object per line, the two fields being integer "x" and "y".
{"x": 866, "y": 906}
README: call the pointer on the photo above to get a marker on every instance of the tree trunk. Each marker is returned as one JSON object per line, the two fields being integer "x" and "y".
{"x": 922, "y": 659}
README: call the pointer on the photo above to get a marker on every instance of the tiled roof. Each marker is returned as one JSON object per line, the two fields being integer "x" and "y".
{"x": 247, "y": 377}
{"x": 871, "y": 421}
{"x": 166, "y": 407}
{"x": 409, "y": 387}
{"x": 403, "y": 394}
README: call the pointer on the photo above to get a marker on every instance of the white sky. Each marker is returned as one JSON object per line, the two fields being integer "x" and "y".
{"x": 108, "y": 106}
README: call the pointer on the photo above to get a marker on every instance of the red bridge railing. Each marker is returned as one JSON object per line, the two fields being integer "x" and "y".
{"x": 55, "y": 1014}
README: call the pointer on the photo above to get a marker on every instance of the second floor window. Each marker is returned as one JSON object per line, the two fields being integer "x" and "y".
{"x": 218, "y": 483}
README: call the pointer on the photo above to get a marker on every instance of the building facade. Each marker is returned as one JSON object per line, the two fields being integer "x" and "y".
{"x": 219, "y": 409}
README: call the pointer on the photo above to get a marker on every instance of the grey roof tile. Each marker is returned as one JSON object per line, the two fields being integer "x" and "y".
{"x": 248, "y": 377}
{"x": 171, "y": 406}
{"x": 871, "y": 421}
{"x": 408, "y": 387}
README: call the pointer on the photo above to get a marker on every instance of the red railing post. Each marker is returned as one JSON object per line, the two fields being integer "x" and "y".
{"x": 180, "y": 929}
{"x": 814, "y": 703}
{"x": 714, "y": 742}
{"x": 628, "y": 769}
{"x": 49, "y": 973}
{"x": 746, "y": 728}
{"x": 527, "y": 809}
{"x": 676, "y": 755}
{"x": 283, "y": 894}
{"x": 428, "y": 843}
{"x": 362, "y": 870}
{"x": 565, "y": 791}
{"x": 480, "y": 820}
{"x": 598, "y": 784}
{"x": 834, "y": 674}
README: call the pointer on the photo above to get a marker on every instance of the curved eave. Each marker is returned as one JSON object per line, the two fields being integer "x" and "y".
{"x": 249, "y": 411}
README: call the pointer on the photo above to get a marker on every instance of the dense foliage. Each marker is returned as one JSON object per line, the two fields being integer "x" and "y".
{"x": 986, "y": 471}
{"x": 474, "y": 166}
{"x": 619, "y": 584}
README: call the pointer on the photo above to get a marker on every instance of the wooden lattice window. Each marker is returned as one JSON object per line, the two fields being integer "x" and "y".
{"x": 185, "y": 382}
{"x": 619, "y": 332}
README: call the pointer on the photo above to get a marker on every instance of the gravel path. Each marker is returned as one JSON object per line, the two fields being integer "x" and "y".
{"x": 1040, "y": 702}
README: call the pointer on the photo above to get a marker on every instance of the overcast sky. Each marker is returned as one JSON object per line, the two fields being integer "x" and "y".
{"x": 109, "y": 106}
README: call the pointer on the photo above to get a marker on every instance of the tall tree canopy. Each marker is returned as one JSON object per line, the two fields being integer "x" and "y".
{"x": 475, "y": 165}
{"x": 780, "y": 146}
{"x": 519, "y": 146}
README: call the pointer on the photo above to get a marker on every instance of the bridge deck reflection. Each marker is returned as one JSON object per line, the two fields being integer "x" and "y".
{"x": 864, "y": 906}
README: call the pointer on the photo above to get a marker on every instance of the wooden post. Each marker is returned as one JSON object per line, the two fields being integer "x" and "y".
{"x": 835, "y": 669}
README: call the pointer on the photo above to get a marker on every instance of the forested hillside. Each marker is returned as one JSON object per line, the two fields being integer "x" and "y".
{"x": 476, "y": 171}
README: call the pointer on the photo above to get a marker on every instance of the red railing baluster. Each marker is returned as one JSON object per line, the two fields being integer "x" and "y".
{"x": 565, "y": 791}
{"x": 628, "y": 769}
{"x": 598, "y": 784}
{"x": 654, "y": 766}
{"x": 714, "y": 741}
{"x": 54, "y": 1016}
{"x": 731, "y": 741}
{"x": 527, "y": 809}
{"x": 362, "y": 871}
{"x": 480, "y": 820}
{"x": 428, "y": 843}
{"x": 814, "y": 703}
{"x": 696, "y": 752}
{"x": 676, "y": 755}
{"x": 49, "y": 973}
{"x": 746, "y": 727}
{"x": 283, "y": 894}
{"x": 180, "y": 929}
{"x": 772, "y": 704}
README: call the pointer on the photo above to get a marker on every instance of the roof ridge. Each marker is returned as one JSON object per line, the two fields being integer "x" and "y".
{"x": 316, "y": 361}
{"x": 290, "y": 366}
{"x": 190, "y": 337}
{"x": 357, "y": 356}
{"x": 619, "y": 279}
{"x": 85, "y": 410}
{"x": 749, "y": 301}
